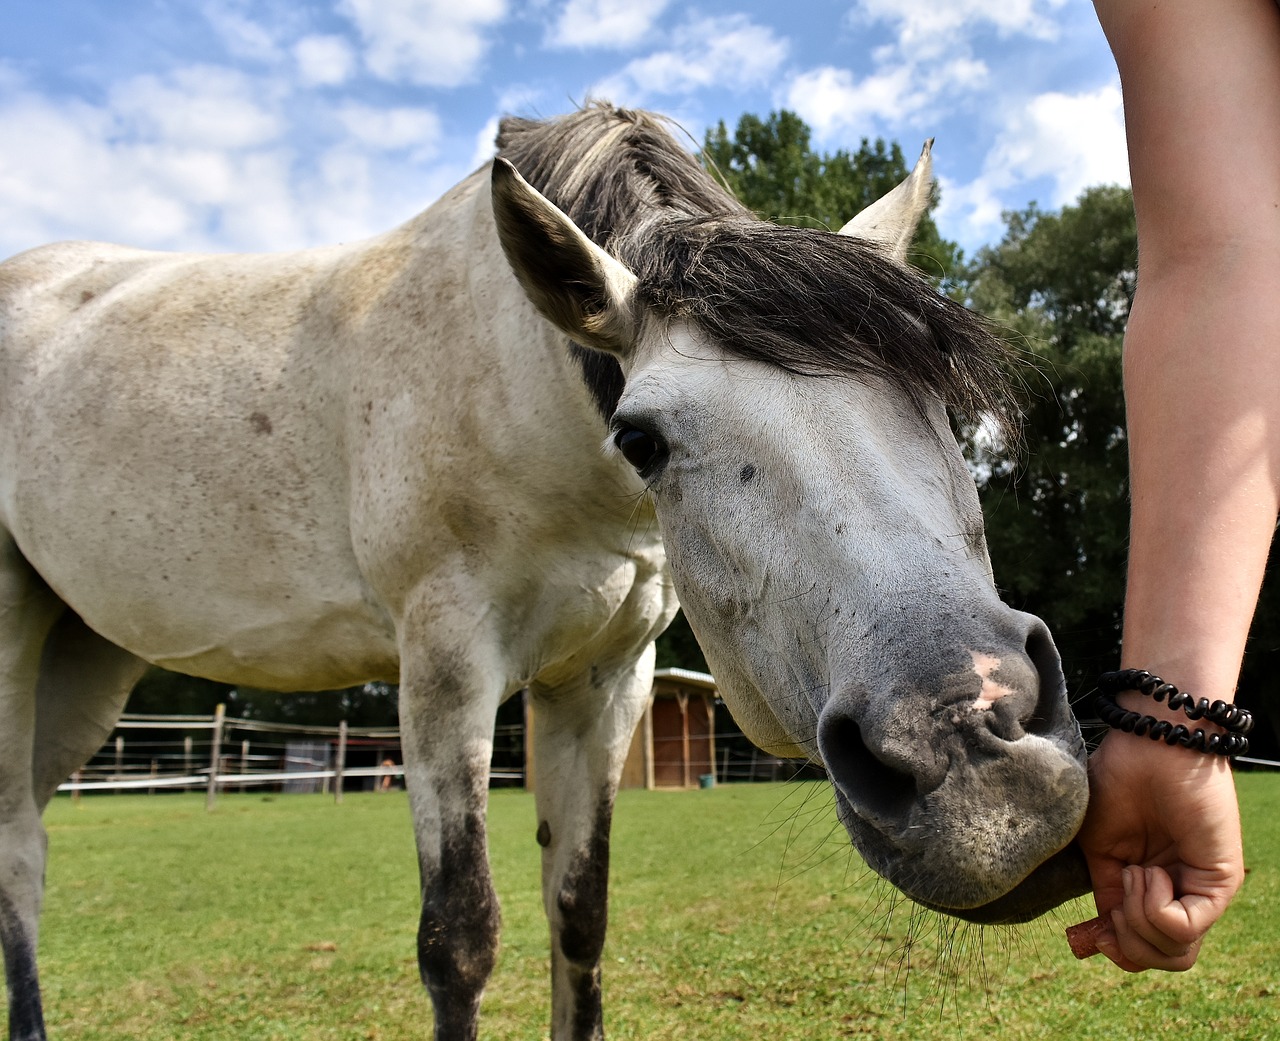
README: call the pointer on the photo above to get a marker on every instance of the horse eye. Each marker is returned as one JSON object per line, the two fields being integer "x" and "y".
{"x": 638, "y": 448}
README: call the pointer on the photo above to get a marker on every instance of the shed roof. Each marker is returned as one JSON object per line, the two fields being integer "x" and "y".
{"x": 687, "y": 677}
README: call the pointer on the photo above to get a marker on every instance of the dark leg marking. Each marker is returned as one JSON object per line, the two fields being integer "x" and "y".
{"x": 583, "y": 904}
{"x": 26, "y": 1020}
{"x": 544, "y": 834}
{"x": 458, "y": 932}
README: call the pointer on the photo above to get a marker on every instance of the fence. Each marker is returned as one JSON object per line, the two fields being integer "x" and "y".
{"x": 213, "y": 753}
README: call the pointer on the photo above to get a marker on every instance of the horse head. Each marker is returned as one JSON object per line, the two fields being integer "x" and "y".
{"x": 785, "y": 406}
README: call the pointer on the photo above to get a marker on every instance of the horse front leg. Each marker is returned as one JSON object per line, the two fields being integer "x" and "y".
{"x": 582, "y": 731}
{"x": 448, "y": 703}
{"x": 27, "y": 611}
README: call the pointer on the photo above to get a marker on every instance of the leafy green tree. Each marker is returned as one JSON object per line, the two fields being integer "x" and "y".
{"x": 368, "y": 705}
{"x": 161, "y": 692}
{"x": 678, "y": 647}
{"x": 771, "y": 166}
{"x": 1059, "y": 286}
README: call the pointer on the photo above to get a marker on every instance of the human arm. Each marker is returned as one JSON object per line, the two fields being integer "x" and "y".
{"x": 1201, "y": 87}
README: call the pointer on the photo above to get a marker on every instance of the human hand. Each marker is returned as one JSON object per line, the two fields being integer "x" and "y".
{"x": 1162, "y": 841}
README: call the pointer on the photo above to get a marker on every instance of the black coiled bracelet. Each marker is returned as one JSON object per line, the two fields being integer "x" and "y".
{"x": 1236, "y": 721}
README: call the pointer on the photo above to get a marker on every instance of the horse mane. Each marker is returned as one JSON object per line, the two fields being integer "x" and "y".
{"x": 811, "y": 302}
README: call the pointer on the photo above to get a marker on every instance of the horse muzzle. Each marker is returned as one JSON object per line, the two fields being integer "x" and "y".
{"x": 964, "y": 789}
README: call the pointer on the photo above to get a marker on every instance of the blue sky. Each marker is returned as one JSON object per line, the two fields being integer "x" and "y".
{"x": 264, "y": 124}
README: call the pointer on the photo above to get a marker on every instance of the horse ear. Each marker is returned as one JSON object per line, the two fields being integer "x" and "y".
{"x": 892, "y": 219}
{"x": 573, "y": 283}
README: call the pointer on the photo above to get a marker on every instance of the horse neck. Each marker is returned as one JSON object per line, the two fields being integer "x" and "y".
{"x": 508, "y": 379}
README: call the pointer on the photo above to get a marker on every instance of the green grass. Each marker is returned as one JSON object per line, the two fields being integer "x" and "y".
{"x": 736, "y": 913}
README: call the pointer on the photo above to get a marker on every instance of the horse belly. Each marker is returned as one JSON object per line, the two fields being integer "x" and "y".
{"x": 341, "y": 648}
{"x": 261, "y": 611}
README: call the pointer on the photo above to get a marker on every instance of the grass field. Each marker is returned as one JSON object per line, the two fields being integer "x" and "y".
{"x": 737, "y": 913}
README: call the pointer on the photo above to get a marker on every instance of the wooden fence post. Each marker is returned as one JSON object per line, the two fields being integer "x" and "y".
{"x": 215, "y": 757}
{"x": 650, "y": 774}
{"x": 683, "y": 698}
{"x": 530, "y": 778}
{"x": 341, "y": 763}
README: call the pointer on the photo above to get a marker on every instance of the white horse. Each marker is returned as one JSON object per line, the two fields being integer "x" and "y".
{"x": 383, "y": 461}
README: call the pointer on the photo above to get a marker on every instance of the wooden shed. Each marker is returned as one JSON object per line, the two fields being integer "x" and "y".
{"x": 675, "y": 744}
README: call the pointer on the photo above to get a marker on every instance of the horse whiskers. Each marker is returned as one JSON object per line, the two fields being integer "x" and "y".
{"x": 793, "y": 829}
{"x": 634, "y": 521}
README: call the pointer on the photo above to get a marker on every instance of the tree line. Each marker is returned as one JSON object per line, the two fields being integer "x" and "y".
{"x": 1057, "y": 288}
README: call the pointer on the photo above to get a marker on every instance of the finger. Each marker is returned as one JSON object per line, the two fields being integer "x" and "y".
{"x": 1186, "y": 918}
{"x": 1109, "y": 944}
{"x": 1106, "y": 877}
{"x": 1165, "y": 923}
{"x": 1183, "y": 920}
{"x": 1134, "y": 954}
{"x": 1139, "y": 941}
{"x": 1151, "y": 891}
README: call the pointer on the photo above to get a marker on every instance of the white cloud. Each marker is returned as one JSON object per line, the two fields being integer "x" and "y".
{"x": 65, "y": 173}
{"x": 974, "y": 61}
{"x": 832, "y": 101}
{"x": 928, "y": 70}
{"x": 486, "y": 146}
{"x": 1070, "y": 141}
{"x": 1076, "y": 140}
{"x": 519, "y": 99}
{"x": 605, "y": 23}
{"x": 928, "y": 23}
{"x": 429, "y": 42}
{"x": 201, "y": 159}
{"x": 242, "y": 36}
{"x": 392, "y": 129}
{"x": 730, "y": 51}
{"x": 971, "y": 213}
{"x": 200, "y": 106}
{"x": 324, "y": 61}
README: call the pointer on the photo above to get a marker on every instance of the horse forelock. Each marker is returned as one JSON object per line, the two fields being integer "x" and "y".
{"x": 821, "y": 304}
{"x": 809, "y": 301}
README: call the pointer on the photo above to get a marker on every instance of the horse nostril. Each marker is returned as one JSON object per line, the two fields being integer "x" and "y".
{"x": 874, "y": 788}
{"x": 1050, "y": 707}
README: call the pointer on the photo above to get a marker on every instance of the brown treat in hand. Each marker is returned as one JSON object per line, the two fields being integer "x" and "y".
{"x": 1084, "y": 937}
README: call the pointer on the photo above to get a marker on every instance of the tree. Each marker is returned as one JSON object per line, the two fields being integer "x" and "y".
{"x": 1059, "y": 287}
{"x": 161, "y": 692}
{"x": 772, "y": 168}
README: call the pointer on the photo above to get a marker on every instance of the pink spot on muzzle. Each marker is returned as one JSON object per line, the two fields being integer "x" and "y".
{"x": 992, "y": 691}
